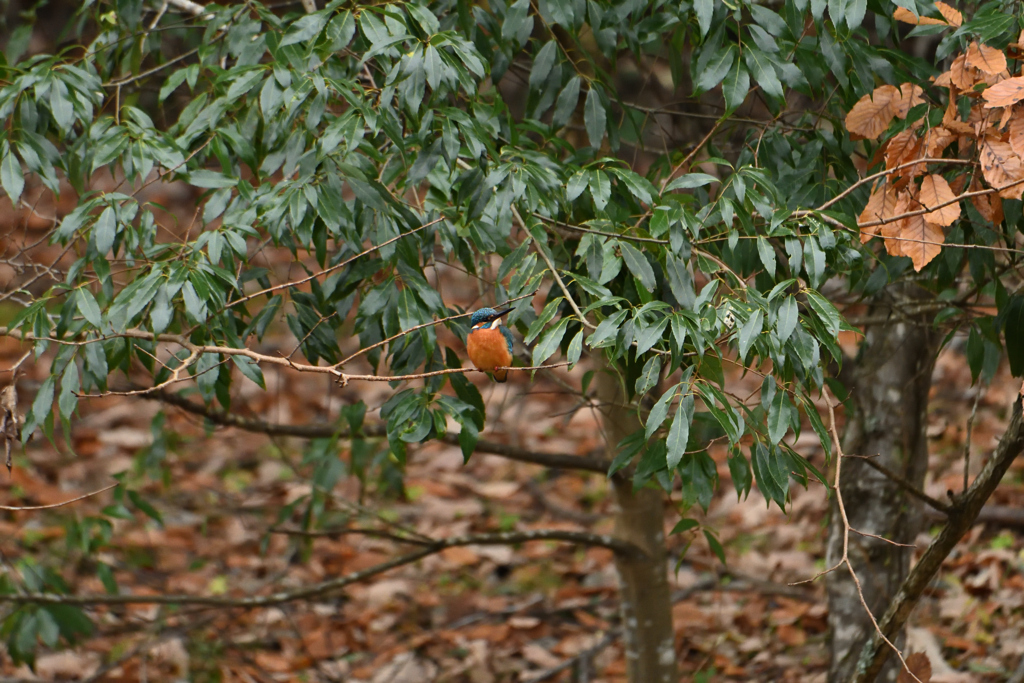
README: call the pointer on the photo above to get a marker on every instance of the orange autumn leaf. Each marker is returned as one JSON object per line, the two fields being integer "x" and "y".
{"x": 936, "y": 140}
{"x": 1017, "y": 136}
{"x": 902, "y": 147}
{"x": 986, "y": 59}
{"x": 963, "y": 76}
{"x": 881, "y": 206}
{"x": 907, "y": 17}
{"x": 1004, "y": 93}
{"x": 910, "y": 96}
{"x": 951, "y": 14}
{"x": 919, "y": 239}
{"x": 871, "y": 115}
{"x": 935, "y": 192}
{"x": 990, "y": 206}
{"x": 1002, "y": 168}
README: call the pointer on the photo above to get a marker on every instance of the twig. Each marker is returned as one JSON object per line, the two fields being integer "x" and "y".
{"x": 325, "y": 271}
{"x": 553, "y": 460}
{"x": 845, "y": 559}
{"x": 419, "y": 327}
{"x": 962, "y": 518}
{"x": 587, "y": 654}
{"x": 57, "y": 505}
{"x": 554, "y": 274}
{"x": 967, "y": 441}
{"x": 905, "y": 485}
{"x": 326, "y": 587}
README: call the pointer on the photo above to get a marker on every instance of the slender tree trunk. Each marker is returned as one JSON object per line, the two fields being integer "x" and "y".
{"x": 886, "y": 418}
{"x": 645, "y": 592}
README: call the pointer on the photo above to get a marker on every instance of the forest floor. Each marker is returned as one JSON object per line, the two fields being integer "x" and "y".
{"x": 481, "y": 614}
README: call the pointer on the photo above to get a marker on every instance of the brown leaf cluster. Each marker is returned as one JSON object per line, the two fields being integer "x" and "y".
{"x": 920, "y": 195}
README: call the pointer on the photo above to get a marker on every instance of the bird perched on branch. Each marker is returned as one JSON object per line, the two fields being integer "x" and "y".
{"x": 490, "y": 343}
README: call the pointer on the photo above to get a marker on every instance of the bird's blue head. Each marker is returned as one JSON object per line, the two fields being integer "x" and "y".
{"x": 485, "y": 315}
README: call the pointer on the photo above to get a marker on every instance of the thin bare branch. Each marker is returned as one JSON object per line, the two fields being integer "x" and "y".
{"x": 29, "y": 508}
{"x": 324, "y": 588}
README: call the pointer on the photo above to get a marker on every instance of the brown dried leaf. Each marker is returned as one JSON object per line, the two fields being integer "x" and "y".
{"x": 919, "y": 239}
{"x": 986, "y": 59}
{"x": 1017, "y": 136}
{"x": 963, "y": 76}
{"x": 936, "y": 140}
{"x": 944, "y": 79}
{"x": 881, "y": 205}
{"x": 871, "y": 115}
{"x": 902, "y": 147}
{"x": 1005, "y": 93}
{"x": 990, "y": 206}
{"x": 935, "y": 192}
{"x": 1005, "y": 118}
{"x": 910, "y": 96}
{"x": 918, "y": 664}
{"x": 1002, "y": 168}
{"x": 950, "y": 14}
{"x": 907, "y": 17}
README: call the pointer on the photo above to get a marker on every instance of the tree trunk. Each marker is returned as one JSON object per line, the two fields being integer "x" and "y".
{"x": 645, "y": 592}
{"x": 886, "y": 418}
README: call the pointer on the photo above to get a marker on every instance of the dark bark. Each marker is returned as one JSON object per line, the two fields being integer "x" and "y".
{"x": 645, "y": 592}
{"x": 886, "y": 417}
{"x": 966, "y": 507}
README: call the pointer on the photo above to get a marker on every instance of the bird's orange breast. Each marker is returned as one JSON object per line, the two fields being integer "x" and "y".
{"x": 488, "y": 349}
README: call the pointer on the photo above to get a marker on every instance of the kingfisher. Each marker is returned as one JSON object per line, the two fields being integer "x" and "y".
{"x": 489, "y": 343}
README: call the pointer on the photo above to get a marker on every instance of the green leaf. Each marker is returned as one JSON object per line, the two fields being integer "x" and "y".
{"x": 660, "y": 411}
{"x": 577, "y": 183}
{"x": 649, "y": 376}
{"x": 566, "y": 103}
{"x": 718, "y": 67}
{"x": 778, "y": 417}
{"x": 10, "y": 175}
{"x": 594, "y": 117}
{"x": 575, "y": 349}
{"x": 787, "y": 318}
{"x": 146, "y": 507}
{"x": 639, "y": 186}
{"x": 250, "y": 369}
{"x": 684, "y": 525}
{"x": 690, "y": 181}
{"x": 549, "y": 342}
{"x": 679, "y": 432}
{"x": 715, "y": 546}
{"x": 306, "y": 27}
{"x": 1013, "y": 328}
{"x": 88, "y": 307}
{"x": 105, "y": 230}
{"x": 70, "y": 385}
{"x": 750, "y": 331}
{"x": 763, "y": 72}
{"x": 827, "y": 313}
{"x": 767, "y": 254}
{"x": 638, "y": 265}
{"x": 735, "y": 87}
{"x": 705, "y": 10}
{"x": 600, "y": 188}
